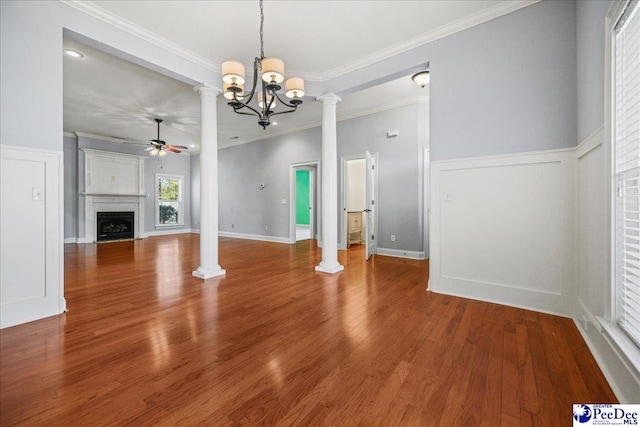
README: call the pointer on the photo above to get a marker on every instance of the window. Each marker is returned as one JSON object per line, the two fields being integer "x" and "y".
{"x": 626, "y": 169}
{"x": 169, "y": 206}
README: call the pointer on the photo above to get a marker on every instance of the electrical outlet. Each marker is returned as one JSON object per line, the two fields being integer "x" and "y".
{"x": 266, "y": 228}
{"x": 393, "y": 237}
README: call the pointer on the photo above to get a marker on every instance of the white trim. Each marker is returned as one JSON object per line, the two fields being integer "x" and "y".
{"x": 400, "y": 253}
{"x": 68, "y": 240}
{"x": 169, "y": 232}
{"x": 557, "y": 299}
{"x": 623, "y": 378}
{"x": 52, "y": 301}
{"x": 590, "y": 143}
{"x": 378, "y": 109}
{"x": 107, "y": 138}
{"x": 181, "y": 201}
{"x": 478, "y": 18}
{"x": 69, "y": 134}
{"x": 273, "y": 239}
{"x": 97, "y": 12}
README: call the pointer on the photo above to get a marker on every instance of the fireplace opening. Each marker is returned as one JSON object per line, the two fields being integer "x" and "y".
{"x": 115, "y": 226}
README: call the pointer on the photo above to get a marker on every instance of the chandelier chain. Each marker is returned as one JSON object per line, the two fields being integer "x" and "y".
{"x": 261, "y": 30}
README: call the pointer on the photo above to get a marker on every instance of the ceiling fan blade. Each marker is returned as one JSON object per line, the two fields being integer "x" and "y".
{"x": 155, "y": 143}
{"x": 181, "y": 147}
{"x": 173, "y": 150}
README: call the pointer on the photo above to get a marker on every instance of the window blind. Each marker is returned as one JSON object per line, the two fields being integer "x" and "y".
{"x": 626, "y": 165}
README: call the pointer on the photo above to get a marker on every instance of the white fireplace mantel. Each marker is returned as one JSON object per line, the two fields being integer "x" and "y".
{"x": 114, "y": 182}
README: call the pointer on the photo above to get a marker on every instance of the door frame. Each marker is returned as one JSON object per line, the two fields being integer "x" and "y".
{"x": 342, "y": 238}
{"x": 315, "y": 181}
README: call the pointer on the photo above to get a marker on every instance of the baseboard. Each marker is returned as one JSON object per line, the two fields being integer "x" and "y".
{"x": 166, "y": 232}
{"x": 400, "y": 253}
{"x": 528, "y": 299}
{"x": 254, "y": 237}
{"x": 68, "y": 240}
{"x": 623, "y": 380}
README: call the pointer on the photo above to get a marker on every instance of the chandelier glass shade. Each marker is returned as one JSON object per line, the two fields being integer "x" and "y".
{"x": 268, "y": 74}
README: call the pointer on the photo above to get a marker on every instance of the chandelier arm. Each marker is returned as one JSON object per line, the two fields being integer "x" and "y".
{"x": 243, "y": 105}
{"x": 245, "y": 113}
{"x": 283, "y": 112}
{"x": 284, "y": 102}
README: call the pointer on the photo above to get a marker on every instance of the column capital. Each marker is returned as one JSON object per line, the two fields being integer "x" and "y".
{"x": 329, "y": 98}
{"x": 205, "y": 89}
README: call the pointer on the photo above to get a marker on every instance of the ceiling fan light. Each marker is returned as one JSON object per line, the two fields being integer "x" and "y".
{"x": 233, "y": 72}
{"x": 294, "y": 88}
{"x": 422, "y": 78}
{"x": 153, "y": 152}
{"x": 269, "y": 97}
{"x": 272, "y": 70}
{"x": 162, "y": 153}
{"x": 229, "y": 90}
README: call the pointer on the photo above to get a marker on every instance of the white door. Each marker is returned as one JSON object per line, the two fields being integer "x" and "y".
{"x": 370, "y": 206}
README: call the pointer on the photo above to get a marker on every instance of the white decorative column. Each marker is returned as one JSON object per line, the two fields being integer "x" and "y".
{"x": 208, "y": 184}
{"x": 329, "y": 263}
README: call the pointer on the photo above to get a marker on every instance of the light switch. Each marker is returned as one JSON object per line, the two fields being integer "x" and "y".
{"x": 37, "y": 193}
{"x": 283, "y": 201}
{"x": 446, "y": 196}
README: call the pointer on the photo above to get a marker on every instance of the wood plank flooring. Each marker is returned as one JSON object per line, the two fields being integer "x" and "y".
{"x": 275, "y": 343}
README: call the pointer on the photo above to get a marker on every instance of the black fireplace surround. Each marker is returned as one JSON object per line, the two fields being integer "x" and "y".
{"x": 115, "y": 226}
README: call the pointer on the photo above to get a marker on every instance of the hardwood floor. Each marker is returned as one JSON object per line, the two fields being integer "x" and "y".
{"x": 275, "y": 343}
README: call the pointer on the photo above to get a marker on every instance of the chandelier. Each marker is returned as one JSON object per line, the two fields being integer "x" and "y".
{"x": 272, "y": 72}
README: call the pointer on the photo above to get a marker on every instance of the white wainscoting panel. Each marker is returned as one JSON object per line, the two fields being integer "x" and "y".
{"x": 31, "y": 230}
{"x": 502, "y": 229}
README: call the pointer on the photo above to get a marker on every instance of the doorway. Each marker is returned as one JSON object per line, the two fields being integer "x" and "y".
{"x": 305, "y": 211}
{"x": 359, "y": 193}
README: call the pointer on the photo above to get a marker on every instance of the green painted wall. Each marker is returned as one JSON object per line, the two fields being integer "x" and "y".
{"x": 302, "y": 197}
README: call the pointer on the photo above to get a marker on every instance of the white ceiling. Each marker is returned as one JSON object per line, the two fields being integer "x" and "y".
{"x": 108, "y": 96}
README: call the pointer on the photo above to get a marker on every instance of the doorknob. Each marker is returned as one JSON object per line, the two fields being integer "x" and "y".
{"x": 367, "y": 210}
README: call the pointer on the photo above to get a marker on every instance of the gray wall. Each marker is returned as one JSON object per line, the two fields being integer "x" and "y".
{"x": 70, "y": 187}
{"x": 506, "y": 86}
{"x": 590, "y": 33}
{"x": 243, "y": 168}
{"x": 74, "y": 181}
{"x": 195, "y": 191}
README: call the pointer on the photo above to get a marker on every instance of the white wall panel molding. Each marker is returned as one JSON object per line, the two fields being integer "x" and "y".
{"x": 31, "y": 224}
{"x": 592, "y": 142}
{"x": 502, "y": 229}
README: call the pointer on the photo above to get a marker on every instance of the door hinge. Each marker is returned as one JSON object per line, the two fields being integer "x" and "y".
{"x": 619, "y": 191}
{"x": 373, "y": 237}
{"x": 373, "y": 202}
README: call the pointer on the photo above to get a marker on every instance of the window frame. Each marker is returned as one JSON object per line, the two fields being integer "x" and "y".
{"x": 623, "y": 344}
{"x": 180, "y": 179}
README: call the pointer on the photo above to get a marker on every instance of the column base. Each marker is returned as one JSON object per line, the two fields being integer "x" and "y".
{"x": 204, "y": 273}
{"x": 332, "y": 269}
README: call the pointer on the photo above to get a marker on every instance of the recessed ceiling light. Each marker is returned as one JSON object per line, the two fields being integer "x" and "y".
{"x": 73, "y": 53}
{"x": 274, "y": 123}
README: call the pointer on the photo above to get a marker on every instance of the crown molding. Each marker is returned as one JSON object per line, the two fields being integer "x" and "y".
{"x": 378, "y": 109}
{"x": 485, "y": 15}
{"x": 99, "y": 13}
{"x": 108, "y": 138}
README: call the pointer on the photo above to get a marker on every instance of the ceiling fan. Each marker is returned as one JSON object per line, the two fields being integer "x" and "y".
{"x": 160, "y": 148}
